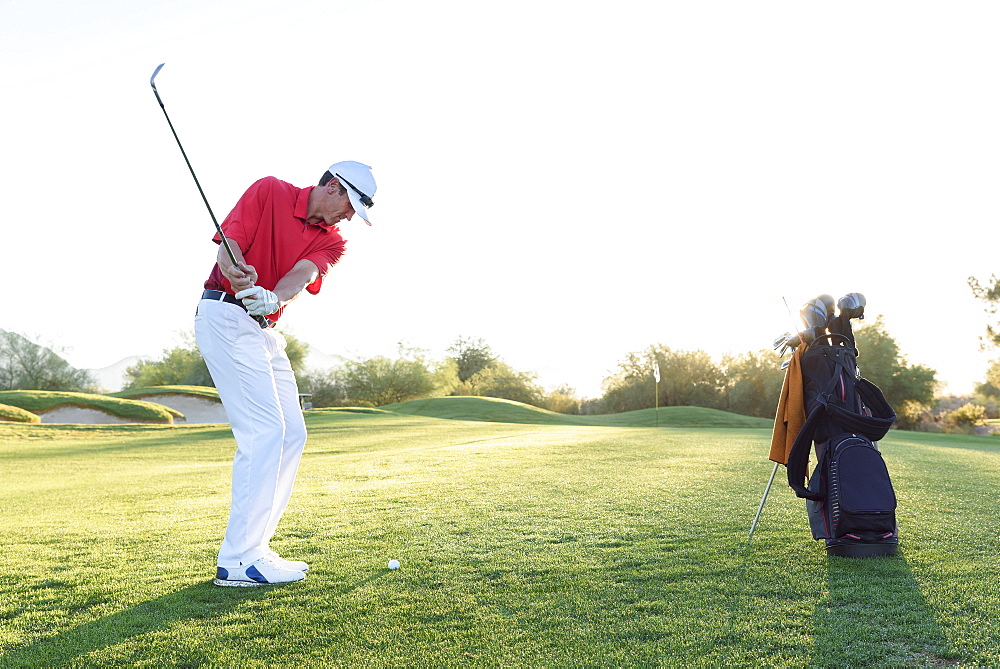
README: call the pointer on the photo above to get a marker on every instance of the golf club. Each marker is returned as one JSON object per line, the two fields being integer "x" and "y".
{"x": 262, "y": 320}
{"x": 784, "y": 342}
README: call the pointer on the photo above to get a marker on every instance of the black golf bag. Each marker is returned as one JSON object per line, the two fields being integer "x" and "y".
{"x": 850, "y": 499}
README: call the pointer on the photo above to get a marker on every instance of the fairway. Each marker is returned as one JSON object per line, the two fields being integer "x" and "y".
{"x": 528, "y": 543}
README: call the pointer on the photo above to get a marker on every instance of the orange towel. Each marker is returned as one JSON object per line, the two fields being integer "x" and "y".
{"x": 791, "y": 409}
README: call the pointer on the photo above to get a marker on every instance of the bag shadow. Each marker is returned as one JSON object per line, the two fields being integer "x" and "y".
{"x": 874, "y": 614}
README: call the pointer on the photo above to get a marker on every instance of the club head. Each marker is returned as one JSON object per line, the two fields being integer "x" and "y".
{"x": 852, "y": 305}
{"x": 816, "y": 313}
{"x": 155, "y": 72}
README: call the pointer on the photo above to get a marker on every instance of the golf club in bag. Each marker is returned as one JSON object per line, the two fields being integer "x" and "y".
{"x": 261, "y": 320}
{"x": 850, "y": 501}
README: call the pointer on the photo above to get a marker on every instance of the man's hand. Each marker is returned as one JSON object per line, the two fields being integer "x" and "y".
{"x": 241, "y": 277}
{"x": 259, "y": 301}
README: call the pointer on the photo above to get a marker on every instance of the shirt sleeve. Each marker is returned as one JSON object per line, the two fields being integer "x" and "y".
{"x": 324, "y": 258}
{"x": 243, "y": 221}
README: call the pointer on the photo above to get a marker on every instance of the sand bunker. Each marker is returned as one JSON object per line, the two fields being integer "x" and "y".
{"x": 80, "y": 415}
{"x": 195, "y": 410}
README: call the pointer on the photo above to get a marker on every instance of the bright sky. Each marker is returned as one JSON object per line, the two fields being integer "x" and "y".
{"x": 570, "y": 181}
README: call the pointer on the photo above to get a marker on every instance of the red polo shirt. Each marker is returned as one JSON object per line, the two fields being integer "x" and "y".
{"x": 269, "y": 225}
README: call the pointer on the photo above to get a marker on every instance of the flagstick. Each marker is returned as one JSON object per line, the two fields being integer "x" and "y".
{"x": 763, "y": 499}
{"x": 656, "y": 391}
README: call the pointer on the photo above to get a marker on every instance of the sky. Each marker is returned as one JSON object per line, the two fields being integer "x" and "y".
{"x": 568, "y": 181}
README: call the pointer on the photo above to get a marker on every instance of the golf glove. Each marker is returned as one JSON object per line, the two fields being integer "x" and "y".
{"x": 259, "y": 301}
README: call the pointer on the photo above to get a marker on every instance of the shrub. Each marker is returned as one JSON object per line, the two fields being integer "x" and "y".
{"x": 966, "y": 417}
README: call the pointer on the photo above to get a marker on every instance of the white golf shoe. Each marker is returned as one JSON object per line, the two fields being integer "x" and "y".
{"x": 263, "y": 571}
{"x": 297, "y": 565}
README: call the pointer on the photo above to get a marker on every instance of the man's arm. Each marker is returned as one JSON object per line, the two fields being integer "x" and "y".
{"x": 292, "y": 284}
{"x": 242, "y": 275}
{"x": 261, "y": 302}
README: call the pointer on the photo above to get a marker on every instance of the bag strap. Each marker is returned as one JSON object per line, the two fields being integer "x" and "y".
{"x": 874, "y": 426}
{"x": 798, "y": 457}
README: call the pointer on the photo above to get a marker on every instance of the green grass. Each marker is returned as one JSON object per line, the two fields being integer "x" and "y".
{"x": 521, "y": 544}
{"x": 17, "y": 415}
{"x": 492, "y": 409}
{"x": 152, "y": 391}
{"x": 40, "y": 401}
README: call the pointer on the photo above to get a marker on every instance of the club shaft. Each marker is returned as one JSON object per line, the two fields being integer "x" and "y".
{"x": 763, "y": 499}
{"x": 222, "y": 235}
{"x": 262, "y": 320}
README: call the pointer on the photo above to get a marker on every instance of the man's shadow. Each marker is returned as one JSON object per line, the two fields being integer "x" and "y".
{"x": 874, "y": 614}
{"x": 203, "y": 601}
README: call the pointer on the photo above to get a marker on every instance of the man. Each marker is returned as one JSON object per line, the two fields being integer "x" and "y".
{"x": 284, "y": 240}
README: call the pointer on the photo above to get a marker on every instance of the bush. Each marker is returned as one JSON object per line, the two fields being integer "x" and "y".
{"x": 964, "y": 418}
{"x": 913, "y": 415}
{"x": 326, "y": 387}
{"x": 562, "y": 400}
{"x": 380, "y": 380}
{"x": 503, "y": 381}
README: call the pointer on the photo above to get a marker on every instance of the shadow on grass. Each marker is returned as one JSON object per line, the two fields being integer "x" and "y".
{"x": 875, "y": 614}
{"x": 203, "y": 602}
{"x": 196, "y": 602}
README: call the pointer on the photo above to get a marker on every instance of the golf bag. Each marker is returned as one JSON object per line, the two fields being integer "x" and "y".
{"x": 850, "y": 499}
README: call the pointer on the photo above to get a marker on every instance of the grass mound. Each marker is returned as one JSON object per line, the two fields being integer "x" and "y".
{"x": 40, "y": 401}
{"x": 495, "y": 410}
{"x": 17, "y": 415}
{"x": 152, "y": 391}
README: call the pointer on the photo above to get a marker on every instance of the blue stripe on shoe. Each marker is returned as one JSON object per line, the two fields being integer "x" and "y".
{"x": 221, "y": 573}
{"x": 255, "y": 575}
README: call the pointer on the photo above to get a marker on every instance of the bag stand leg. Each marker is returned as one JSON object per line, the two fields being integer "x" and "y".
{"x": 763, "y": 499}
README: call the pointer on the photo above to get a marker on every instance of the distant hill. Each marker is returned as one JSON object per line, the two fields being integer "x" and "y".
{"x": 316, "y": 360}
{"x": 111, "y": 378}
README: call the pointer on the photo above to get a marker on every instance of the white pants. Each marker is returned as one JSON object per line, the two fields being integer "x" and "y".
{"x": 255, "y": 382}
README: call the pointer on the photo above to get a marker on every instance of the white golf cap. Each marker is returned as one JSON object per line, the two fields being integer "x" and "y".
{"x": 360, "y": 184}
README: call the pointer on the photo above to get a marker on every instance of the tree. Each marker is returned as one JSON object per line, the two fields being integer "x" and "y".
{"x": 380, "y": 380}
{"x": 471, "y": 356}
{"x": 687, "y": 378}
{"x": 990, "y": 294}
{"x": 326, "y": 387}
{"x": 183, "y": 365}
{"x": 988, "y": 392}
{"x": 990, "y": 387}
{"x": 501, "y": 380}
{"x": 562, "y": 400}
{"x": 881, "y": 363}
{"x": 27, "y": 365}
{"x": 179, "y": 366}
{"x": 753, "y": 383}
{"x": 473, "y": 368}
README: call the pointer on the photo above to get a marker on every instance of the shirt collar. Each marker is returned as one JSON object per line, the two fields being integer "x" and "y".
{"x": 301, "y": 210}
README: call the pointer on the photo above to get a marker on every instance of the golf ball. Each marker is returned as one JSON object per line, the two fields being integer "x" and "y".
{"x": 393, "y": 564}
